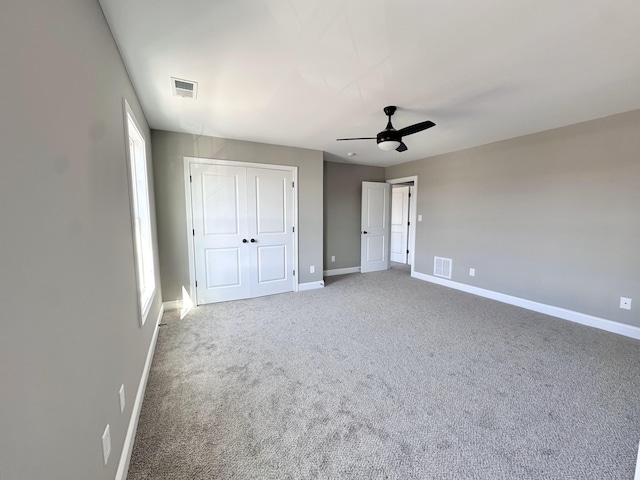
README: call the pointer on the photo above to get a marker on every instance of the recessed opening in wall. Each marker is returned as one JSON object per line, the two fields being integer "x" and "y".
{"x": 404, "y": 233}
{"x": 184, "y": 88}
{"x": 140, "y": 213}
{"x": 442, "y": 267}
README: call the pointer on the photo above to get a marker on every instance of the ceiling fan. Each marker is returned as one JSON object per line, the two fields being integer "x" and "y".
{"x": 390, "y": 138}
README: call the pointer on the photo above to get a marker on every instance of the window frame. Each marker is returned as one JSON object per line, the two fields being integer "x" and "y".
{"x": 143, "y": 251}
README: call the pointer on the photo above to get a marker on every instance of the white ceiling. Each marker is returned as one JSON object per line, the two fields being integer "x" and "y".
{"x": 305, "y": 72}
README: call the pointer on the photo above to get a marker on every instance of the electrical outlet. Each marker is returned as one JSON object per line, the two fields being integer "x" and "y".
{"x": 312, "y": 269}
{"x": 333, "y": 258}
{"x": 122, "y": 401}
{"x": 625, "y": 303}
{"x": 472, "y": 272}
{"x": 106, "y": 444}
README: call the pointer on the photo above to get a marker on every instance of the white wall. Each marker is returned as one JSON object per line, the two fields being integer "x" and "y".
{"x": 69, "y": 331}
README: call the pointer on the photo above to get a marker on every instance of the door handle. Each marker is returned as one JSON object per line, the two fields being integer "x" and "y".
{"x": 365, "y": 232}
{"x": 253, "y": 240}
{"x": 244, "y": 240}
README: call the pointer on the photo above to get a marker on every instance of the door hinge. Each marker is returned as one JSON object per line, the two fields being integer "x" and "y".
{"x": 294, "y": 229}
{"x": 407, "y": 251}
{"x": 408, "y": 223}
{"x": 190, "y": 178}
{"x": 194, "y": 232}
{"x": 196, "y": 283}
{"x": 293, "y": 184}
{"x": 294, "y": 273}
{"x": 409, "y": 195}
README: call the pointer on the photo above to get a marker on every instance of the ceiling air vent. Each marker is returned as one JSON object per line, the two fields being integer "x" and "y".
{"x": 184, "y": 88}
{"x": 442, "y": 267}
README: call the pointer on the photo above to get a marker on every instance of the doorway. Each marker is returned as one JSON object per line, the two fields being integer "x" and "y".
{"x": 403, "y": 222}
{"x": 399, "y": 241}
{"x": 241, "y": 228}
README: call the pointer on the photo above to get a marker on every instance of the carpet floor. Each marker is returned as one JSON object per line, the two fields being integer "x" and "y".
{"x": 382, "y": 376}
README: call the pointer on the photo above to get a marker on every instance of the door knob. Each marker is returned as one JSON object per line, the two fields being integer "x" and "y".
{"x": 253, "y": 240}
{"x": 365, "y": 232}
{"x": 244, "y": 240}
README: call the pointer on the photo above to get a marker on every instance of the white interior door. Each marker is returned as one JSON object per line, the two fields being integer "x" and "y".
{"x": 219, "y": 203}
{"x": 399, "y": 223}
{"x": 270, "y": 224}
{"x": 242, "y": 230}
{"x": 375, "y": 223}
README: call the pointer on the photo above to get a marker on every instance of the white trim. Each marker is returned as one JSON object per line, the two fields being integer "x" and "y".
{"x": 187, "y": 162}
{"x": 130, "y": 116}
{"x": 413, "y": 178}
{"x": 127, "y": 448}
{"x": 190, "y": 248}
{"x": 173, "y": 305}
{"x": 637, "y": 475}
{"x": 341, "y": 271}
{"x": 413, "y": 216}
{"x": 237, "y": 163}
{"x": 310, "y": 286}
{"x": 296, "y": 283}
{"x": 563, "y": 313}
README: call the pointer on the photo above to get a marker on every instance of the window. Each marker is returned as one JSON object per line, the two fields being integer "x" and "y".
{"x": 140, "y": 213}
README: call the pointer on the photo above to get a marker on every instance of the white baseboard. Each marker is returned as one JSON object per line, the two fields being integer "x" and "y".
{"x": 125, "y": 458}
{"x": 173, "y": 305}
{"x": 341, "y": 271}
{"x": 572, "y": 316}
{"x": 637, "y": 475}
{"x": 310, "y": 286}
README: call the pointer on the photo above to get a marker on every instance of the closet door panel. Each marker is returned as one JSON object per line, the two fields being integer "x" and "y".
{"x": 270, "y": 224}
{"x": 219, "y": 218}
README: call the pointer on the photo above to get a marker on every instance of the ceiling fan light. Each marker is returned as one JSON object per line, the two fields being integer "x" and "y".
{"x": 389, "y": 145}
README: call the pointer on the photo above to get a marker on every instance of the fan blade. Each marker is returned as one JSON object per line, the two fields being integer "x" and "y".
{"x": 401, "y": 148}
{"x": 418, "y": 127}
{"x": 359, "y": 138}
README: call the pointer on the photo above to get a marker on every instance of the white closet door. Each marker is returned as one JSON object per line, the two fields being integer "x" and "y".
{"x": 399, "y": 223}
{"x": 243, "y": 231}
{"x": 219, "y": 203}
{"x": 270, "y": 226}
{"x": 374, "y": 246}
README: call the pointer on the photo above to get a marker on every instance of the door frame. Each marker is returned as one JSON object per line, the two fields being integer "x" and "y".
{"x": 413, "y": 216}
{"x": 187, "y": 162}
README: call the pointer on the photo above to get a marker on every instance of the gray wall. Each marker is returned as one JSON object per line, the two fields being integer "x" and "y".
{"x": 342, "y": 199}
{"x": 169, "y": 150}
{"x": 552, "y": 217}
{"x": 70, "y": 333}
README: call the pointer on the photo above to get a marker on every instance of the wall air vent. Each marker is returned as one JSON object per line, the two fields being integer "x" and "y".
{"x": 184, "y": 88}
{"x": 442, "y": 267}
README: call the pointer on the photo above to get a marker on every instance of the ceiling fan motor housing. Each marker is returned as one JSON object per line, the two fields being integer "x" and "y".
{"x": 389, "y": 135}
